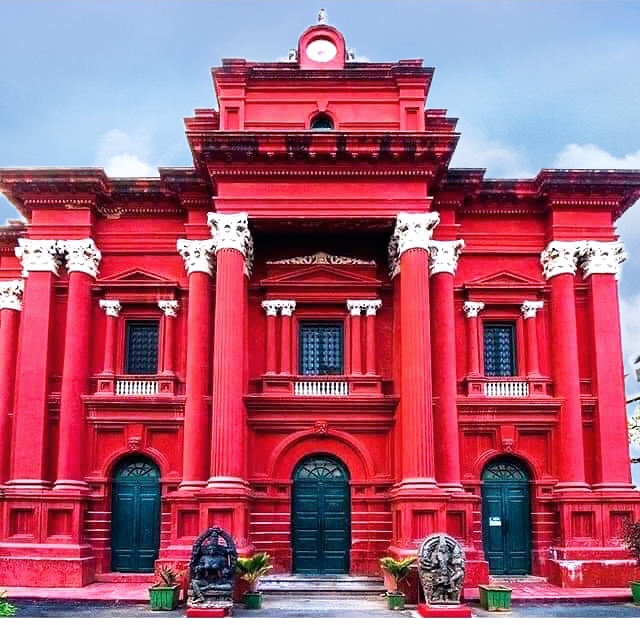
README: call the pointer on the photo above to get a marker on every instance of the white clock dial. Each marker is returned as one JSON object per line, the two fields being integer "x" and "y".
{"x": 321, "y": 50}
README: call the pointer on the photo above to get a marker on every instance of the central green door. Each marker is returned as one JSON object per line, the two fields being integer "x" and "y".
{"x": 320, "y": 517}
{"x": 135, "y": 516}
{"x": 506, "y": 518}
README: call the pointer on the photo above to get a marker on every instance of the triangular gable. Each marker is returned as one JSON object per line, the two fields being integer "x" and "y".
{"x": 504, "y": 279}
{"x": 319, "y": 275}
{"x": 136, "y": 274}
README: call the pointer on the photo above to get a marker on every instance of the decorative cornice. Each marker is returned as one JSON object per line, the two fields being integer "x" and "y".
{"x": 231, "y": 232}
{"x": 413, "y": 230}
{"x": 443, "y": 256}
{"x": 169, "y": 307}
{"x": 602, "y": 257}
{"x": 472, "y": 309}
{"x": 560, "y": 257}
{"x": 197, "y": 255}
{"x": 111, "y": 307}
{"x": 38, "y": 255}
{"x": 321, "y": 258}
{"x": 81, "y": 255}
{"x": 529, "y": 308}
{"x": 11, "y": 292}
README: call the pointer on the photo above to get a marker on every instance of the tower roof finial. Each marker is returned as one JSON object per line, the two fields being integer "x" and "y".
{"x": 322, "y": 17}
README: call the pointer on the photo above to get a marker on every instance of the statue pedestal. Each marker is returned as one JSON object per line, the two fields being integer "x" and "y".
{"x": 208, "y": 612}
{"x": 444, "y": 611}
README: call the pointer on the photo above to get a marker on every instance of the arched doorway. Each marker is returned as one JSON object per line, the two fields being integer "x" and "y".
{"x": 506, "y": 517}
{"x": 320, "y": 516}
{"x": 135, "y": 515}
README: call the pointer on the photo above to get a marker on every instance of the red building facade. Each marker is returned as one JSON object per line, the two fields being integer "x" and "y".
{"x": 320, "y": 337}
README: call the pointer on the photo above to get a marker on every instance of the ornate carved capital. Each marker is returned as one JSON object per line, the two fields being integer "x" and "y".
{"x": 602, "y": 257}
{"x": 372, "y": 306}
{"x": 169, "y": 307}
{"x": 81, "y": 255}
{"x": 38, "y": 255}
{"x": 560, "y": 257}
{"x": 368, "y": 306}
{"x": 287, "y": 306}
{"x": 471, "y": 309}
{"x": 11, "y": 292}
{"x": 111, "y": 307}
{"x": 355, "y": 306}
{"x": 413, "y": 230}
{"x": 272, "y": 306}
{"x": 529, "y": 309}
{"x": 443, "y": 256}
{"x": 197, "y": 255}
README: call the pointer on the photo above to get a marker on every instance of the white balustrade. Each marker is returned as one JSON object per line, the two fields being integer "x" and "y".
{"x": 136, "y": 387}
{"x": 506, "y": 388}
{"x": 321, "y": 387}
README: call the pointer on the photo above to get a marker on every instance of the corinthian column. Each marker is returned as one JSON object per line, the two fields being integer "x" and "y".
{"x": 82, "y": 260}
{"x": 40, "y": 262}
{"x": 10, "y": 306}
{"x": 600, "y": 263}
{"x": 197, "y": 256}
{"x": 442, "y": 267}
{"x": 559, "y": 261}
{"x": 529, "y": 310}
{"x": 409, "y": 254}
{"x": 471, "y": 311}
{"x": 170, "y": 309}
{"x": 234, "y": 255}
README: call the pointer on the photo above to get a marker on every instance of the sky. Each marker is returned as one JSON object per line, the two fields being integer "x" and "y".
{"x": 535, "y": 85}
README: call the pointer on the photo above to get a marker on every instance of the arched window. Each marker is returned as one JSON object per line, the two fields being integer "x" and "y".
{"x": 322, "y": 122}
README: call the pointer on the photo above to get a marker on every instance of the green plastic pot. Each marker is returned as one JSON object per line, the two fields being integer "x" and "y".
{"x": 253, "y": 600}
{"x": 164, "y": 597}
{"x": 635, "y": 592}
{"x": 395, "y": 600}
{"x": 495, "y": 598}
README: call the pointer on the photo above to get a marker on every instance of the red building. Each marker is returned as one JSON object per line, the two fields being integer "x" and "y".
{"x": 320, "y": 337}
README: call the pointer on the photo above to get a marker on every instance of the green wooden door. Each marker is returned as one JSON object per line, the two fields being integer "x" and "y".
{"x": 506, "y": 518}
{"x": 135, "y": 516}
{"x": 320, "y": 517}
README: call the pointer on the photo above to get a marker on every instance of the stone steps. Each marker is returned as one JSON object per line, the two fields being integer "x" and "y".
{"x": 322, "y": 585}
{"x": 125, "y": 578}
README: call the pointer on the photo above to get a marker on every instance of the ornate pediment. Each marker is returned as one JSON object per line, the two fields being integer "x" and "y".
{"x": 136, "y": 275}
{"x": 321, "y": 258}
{"x": 504, "y": 287}
{"x": 504, "y": 279}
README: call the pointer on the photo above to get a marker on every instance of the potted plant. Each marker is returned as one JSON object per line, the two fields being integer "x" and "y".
{"x": 251, "y": 570}
{"x": 6, "y": 609}
{"x": 495, "y": 598}
{"x": 398, "y": 569}
{"x": 163, "y": 595}
{"x": 631, "y": 540}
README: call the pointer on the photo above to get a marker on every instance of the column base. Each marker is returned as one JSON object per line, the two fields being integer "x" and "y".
{"x": 27, "y": 484}
{"x": 71, "y": 485}
{"x": 226, "y": 483}
{"x": 571, "y": 487}
{"x": 610, "y": 486}
{"x": 191, "y": 486}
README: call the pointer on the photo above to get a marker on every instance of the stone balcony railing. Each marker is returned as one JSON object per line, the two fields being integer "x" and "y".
{"x": 320, "y": 385}
{"x": 135, "y": 385}
{"x": 507, "y": 388}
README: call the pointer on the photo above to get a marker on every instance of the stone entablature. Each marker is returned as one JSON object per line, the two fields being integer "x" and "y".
{"x": 197, "y": 255}
{"x": 11, "y": 292}
{"x": 81, "y": 255}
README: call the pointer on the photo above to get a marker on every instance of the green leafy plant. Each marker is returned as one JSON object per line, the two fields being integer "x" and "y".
{"x": 631, "y": 538}
{"x": 167, "y": 576}
{"x": 398, "y": 569}
{"x": 253, "y": 568}
{"x": 6, "y": 609}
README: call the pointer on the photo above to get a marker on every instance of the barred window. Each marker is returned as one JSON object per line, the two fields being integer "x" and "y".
{"x": 321, "y": 348}
{"x": 499, "y": 349}
{"x": 142, "y": 347}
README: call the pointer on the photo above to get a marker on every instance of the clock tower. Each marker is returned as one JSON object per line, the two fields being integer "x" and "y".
{"x": 322, "y": 47}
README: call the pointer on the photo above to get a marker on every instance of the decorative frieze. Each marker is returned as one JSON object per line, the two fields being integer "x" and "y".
{"x": 413, "y": 230}
{"x": 444, "y": 255}
{"x": 231, "y": 232}
{"x": 169, "y": 307}
{"x": 321, "y": 258}
{"x": 111, "y": 307}
{"x": 602, "y": 257}
{"x": 272, "y": 306}
{"x": 529, "y": 309}
{"x": 197, "y": 255}
{"x": 472, "y": 309}
{"x": 81, "y": 255}
{"x": 11, "y": 292}
{"x": 560, "y": 257}
{"x": 38, "y": 255}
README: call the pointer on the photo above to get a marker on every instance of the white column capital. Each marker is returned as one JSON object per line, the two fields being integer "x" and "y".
{"x": 602, "y": 257}
{"x": 169, "y": 307}
{"x": 231, "y": 232}
{"x": 197, "y": 255}
{"x": 529, "y": 308}
{"x": 272, "y": 306}
{"x": 472, "y": 309}
{"x": 11, "y": 292}
{"x": 444, "y": 255}
{"x": 412, "y": 230}
{"x": 111, "y": 307}
{"x": 371, "y": 306}
{"x": 81, "y": 255}
{"x": 355, "y": 306}
{"x": 38, "y": 255}
{"x": 287, "y": 306}
{"x": 560, "y": 257}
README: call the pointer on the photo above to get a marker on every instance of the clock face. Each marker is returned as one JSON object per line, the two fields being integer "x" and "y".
{"x": 321, "y": 50}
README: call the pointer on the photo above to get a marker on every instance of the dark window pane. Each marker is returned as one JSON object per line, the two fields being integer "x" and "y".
{"x": 321, "y": 348}
{"x": 499, "y": 350}
{"x": 322, "y": 122}
{"x": 142, "y": 347}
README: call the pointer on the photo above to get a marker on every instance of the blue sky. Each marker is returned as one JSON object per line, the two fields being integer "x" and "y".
{"x": 534, "y": 84}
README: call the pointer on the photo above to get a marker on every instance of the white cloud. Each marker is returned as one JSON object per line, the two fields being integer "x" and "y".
{"x": 124, "y": 156}
{"x": 590, "y": 156}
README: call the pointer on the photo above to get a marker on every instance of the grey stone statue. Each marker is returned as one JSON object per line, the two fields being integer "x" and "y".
{"x": 212, "y": 570}
{"x": 441, "y": 569}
